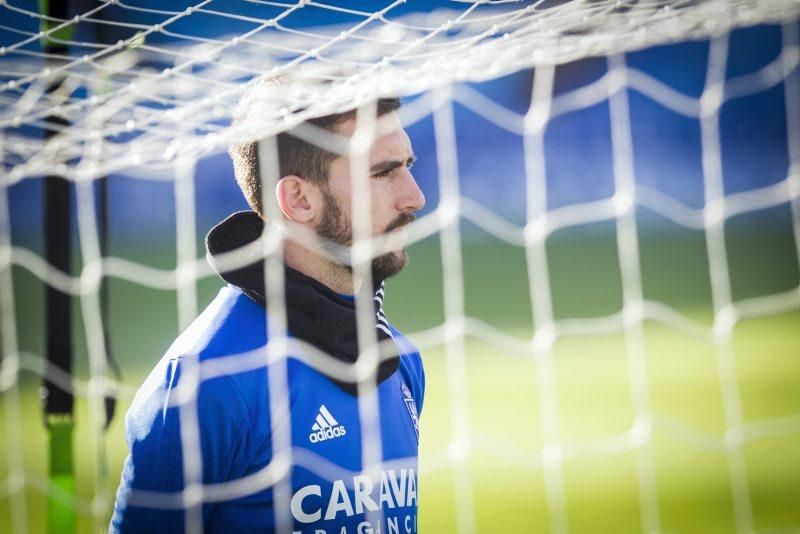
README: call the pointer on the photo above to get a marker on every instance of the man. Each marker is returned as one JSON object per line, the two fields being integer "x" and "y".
{"x": 234, "y": 421}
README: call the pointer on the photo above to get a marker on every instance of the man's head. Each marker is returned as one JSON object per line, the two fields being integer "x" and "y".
{"x": 314, "y": 188}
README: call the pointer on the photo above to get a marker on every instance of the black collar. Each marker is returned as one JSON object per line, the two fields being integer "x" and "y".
{"x": 315, "y": 313}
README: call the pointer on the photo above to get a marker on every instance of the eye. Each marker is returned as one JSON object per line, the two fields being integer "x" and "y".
{"x": 383, "y": 174}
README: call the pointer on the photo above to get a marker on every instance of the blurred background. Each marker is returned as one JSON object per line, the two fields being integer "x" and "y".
{"x": 594, "y": 390}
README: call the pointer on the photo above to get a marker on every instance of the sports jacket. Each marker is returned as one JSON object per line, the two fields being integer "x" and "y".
{"x": 227, "y": 442}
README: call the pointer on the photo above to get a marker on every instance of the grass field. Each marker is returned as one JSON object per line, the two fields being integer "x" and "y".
{"x": 593, "y": 387}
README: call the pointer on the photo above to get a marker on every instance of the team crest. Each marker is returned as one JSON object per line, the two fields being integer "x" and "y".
{"x": 412, "y": 407}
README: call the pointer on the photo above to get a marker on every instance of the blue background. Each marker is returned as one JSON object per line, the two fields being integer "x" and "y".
{"x": 667, "y": 151}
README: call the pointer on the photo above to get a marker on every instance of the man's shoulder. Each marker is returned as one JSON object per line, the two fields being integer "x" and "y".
{"x": 407, "y": 351}
{"x": 231, "y": 324}
{"x": 410, "y": 366}
{"x": 230, "y": 328}
{"x": 403, "y": 343}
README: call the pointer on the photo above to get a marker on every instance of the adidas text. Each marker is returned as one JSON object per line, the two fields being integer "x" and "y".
{"x": 328, "y": 433}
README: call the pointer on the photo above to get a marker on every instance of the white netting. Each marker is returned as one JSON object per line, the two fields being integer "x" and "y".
{"x": 151, "y": 110}
{"x": 388, "y": 56}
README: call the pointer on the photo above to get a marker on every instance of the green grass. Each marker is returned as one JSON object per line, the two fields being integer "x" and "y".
{"x": 594, "y": 400}
{"x": 592, "y": 387}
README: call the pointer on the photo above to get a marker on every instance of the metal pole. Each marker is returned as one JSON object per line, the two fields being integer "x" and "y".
{"x": 58, "y": 403}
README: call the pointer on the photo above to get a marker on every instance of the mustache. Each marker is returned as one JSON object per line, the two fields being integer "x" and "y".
{"x": 402, "y": 220}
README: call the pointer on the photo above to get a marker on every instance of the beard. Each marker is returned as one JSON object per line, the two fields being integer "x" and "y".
{"x": 336, "y": 228}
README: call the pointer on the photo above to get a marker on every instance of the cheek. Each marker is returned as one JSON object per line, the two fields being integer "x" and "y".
{"x": 342, "y": 200}
{"x": 382, "y": 211}
{"x": 339, "y": 183}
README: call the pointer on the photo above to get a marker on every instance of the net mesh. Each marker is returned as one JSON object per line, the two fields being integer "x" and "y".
{"x": 141, "y": 105}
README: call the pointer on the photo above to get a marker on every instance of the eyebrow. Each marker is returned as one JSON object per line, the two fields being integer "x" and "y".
{"x": 388, "y": 165}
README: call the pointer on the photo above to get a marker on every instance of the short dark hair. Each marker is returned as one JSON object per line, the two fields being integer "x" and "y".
{"x": 295, "y": 156}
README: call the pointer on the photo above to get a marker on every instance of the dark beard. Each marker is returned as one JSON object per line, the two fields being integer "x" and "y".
{"x": 335, "y": 228}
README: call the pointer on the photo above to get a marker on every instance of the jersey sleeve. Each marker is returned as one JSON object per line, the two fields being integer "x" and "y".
{"x": 155, "y": 460}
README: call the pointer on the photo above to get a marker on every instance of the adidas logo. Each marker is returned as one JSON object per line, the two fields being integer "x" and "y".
{"x": 326, "y": 427}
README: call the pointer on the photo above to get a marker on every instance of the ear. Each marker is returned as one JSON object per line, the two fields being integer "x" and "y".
{"x": 297, "y": 198}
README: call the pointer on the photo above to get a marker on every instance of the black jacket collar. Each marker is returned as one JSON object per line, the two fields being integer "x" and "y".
{"x": 315, "y": 313}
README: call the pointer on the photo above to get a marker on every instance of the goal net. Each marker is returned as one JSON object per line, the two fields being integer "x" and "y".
{"x": 604, "y": 283}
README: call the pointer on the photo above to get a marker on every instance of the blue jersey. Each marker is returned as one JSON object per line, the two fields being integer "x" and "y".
{"x": 234, "y": 437}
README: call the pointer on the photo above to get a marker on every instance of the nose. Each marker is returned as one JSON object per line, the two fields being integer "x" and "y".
{"x": 411, "y": 197}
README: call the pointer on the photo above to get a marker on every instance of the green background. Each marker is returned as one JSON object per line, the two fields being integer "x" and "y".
{"x": 592, "y": 382}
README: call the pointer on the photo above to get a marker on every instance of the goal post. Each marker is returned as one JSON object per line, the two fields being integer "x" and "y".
{"x": 58, "y": 402}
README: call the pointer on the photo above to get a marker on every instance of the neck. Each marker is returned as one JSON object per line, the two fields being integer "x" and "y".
{"x": 336, "y": 277}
